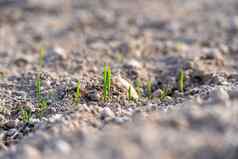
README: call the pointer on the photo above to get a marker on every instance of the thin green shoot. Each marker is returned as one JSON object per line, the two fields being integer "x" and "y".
{"x": 163, "y": 93}
{"x": 43, "y": 106}
{"x": 77, "y": 93}
{"x": 129, "y": 94}
{"x": 149, "y": 89}
{"x": 106, "y": 82}
{"x": 138, "y": 87}
{"x": 181, "y": 80}
{"x": 38, "y": 87}
{"x": 42, "y": 57}
{"x": 25, "y": 115}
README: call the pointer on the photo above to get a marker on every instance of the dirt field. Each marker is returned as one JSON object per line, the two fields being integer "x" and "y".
{"x": 178, "y": 58}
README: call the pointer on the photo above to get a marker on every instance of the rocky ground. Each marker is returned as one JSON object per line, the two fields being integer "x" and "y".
{"x": 145, "y": 43}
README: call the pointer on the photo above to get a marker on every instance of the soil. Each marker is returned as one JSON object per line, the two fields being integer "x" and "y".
{"x": 143, "y": 42}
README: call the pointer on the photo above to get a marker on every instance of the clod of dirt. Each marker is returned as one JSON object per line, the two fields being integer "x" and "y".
{"x": 124, "y": 85}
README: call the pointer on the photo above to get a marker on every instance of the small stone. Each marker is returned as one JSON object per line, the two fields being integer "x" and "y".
{"x": 84, "y": 107}
{"x": 61, "y": 52}
{"x": 54, "y": 54}
{"x": 234, "y": 93}
{"x": 134, "y": 64}
{"x": 63, "y": 146}
{"x": 52, "y": 110}
{"x": 121, "y": 120}
{"x": 219, "y": 95}
{"x": 214, "y": 54}
{"x": 93, "y": 95}
{"x": 55, "y": 118}
{"x": 11, "y": 124}
{"x": 224, "y": 49}
{"x": 11, "y": 132}
{"x": 21, "y": 62}
{"x": 220, "y": 80}
{"x": 125, "y": 85}
{"x": 107, "y": 113}
{"x": 157, "y": 93}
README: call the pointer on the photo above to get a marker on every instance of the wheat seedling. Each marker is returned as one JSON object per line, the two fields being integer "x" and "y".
{"x": 181, "y": 80}
{"x": 77, "y": 94}
{"x": 25, "y": 115}
{"x": 106, "y": 82}
{"x": 149, "y": 89}
{"x": 130, "y": 94}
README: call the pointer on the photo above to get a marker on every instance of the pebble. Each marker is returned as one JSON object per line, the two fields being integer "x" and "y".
{"x": 107, "y": 113}
{"x": 93, "y": 95}
{"x": 54, "y": 54}
{"x": 21, "y": 62}
{"x": 55, "y": 117}
{"x": 157, "y": 93}
{"x": 234, "y": 93}
{"x": 121, "y": 120}
{"x": 61, "y": 52}
{"x": 63, "y": 146}
{"x": 219, "y": 95}
{"x": 214, "y": 54}
{"x": 125, "y": 85}
{"x": 134, "y": 64}
{"x": 11, "y": 132}
{"x": 11, "y": 124}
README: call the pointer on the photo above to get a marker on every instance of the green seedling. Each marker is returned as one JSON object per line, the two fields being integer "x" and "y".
{"x": 130, "y": 94}
{"x": 42, "y": 57}
{"x": 106, "y": 82}
{"x": 25, "y": 115}
{"x": 163, "y": 93}
{"x": 181, "y": 80}
{"x": 77, "y": 93}
{"x": 43, "y": 106}
{"x": 41, "y": 65}
{"x": 149, "y": 89}
{"x": 42, "y": 103}
{"x": 38, "y": 87}
{"x": 138, "y": 87}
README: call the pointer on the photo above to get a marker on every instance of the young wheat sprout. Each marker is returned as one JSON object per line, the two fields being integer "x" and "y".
{"x": 43, "y": 106}
{"x": 42, "y": 58}
{"x": 38, "y": 87}
{"x": 163, "y": 93}
{"x": 106, "y": 82}
{"x": 181, "y": 80}
{"x": 129, "y": 94}
{"x": 77, "y": 93}
{"x": 25, "y": 115}
{"x": 42, "y": 103}
{"x": 149, "y": 89}
{"x": 38, "y": 80}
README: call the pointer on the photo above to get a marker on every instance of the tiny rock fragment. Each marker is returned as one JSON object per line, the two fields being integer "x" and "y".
{"x": 134, "y": 64}
{"x": 107, "y": 113}
{"x": 219, "y": 95}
